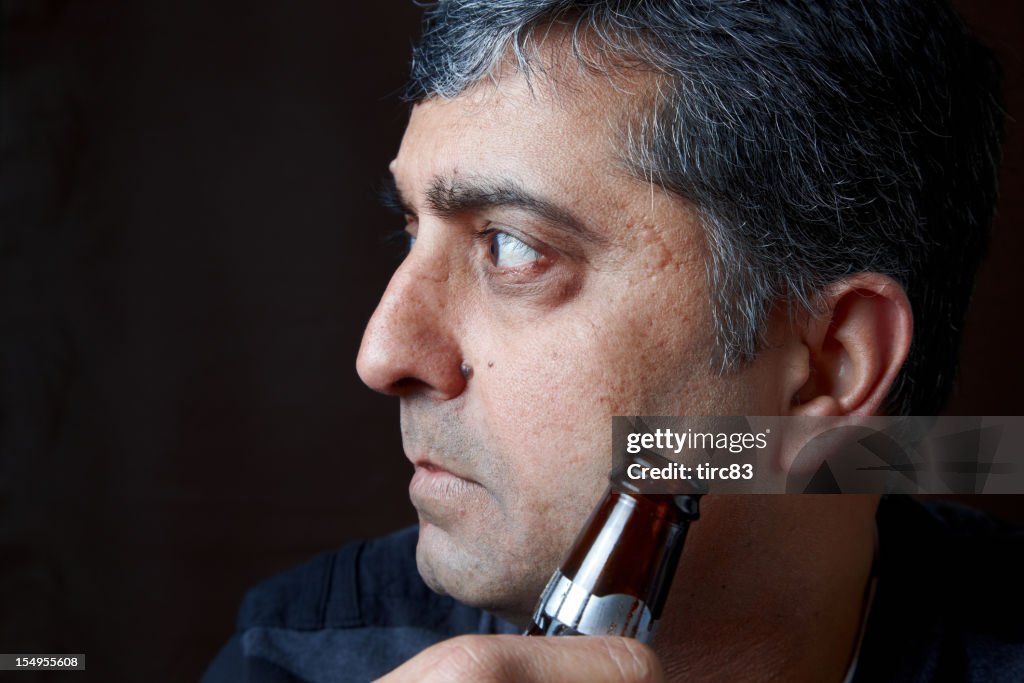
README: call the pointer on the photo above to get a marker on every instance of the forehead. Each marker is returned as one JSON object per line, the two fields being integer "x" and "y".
{"x": 561, "y": 128}
{"x": 560, "y": 135}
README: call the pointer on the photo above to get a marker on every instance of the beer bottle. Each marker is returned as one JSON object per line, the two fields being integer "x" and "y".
{"x": 616, "y": 578}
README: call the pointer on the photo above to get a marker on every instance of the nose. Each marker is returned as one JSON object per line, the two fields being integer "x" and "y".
{"x": 410, "y": 344}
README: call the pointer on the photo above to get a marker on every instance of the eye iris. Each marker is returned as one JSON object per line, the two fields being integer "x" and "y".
{"x": 496, "y": 247}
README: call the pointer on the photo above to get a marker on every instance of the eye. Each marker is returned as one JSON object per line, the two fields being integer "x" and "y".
{"x": 402, "y": 241}
{"x": 509, "y": 252}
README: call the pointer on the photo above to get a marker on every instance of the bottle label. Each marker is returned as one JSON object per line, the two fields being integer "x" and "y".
{"x": 575, "y": 609}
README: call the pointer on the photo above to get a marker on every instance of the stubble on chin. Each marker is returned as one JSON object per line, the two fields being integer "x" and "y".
{"x": 503, "y": 580}
{"x": 492, "y": 543}
{"x": 468, "y": 527}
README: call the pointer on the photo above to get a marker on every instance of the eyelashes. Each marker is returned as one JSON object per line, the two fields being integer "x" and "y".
{"x": 390, "y": 198}
{"x": 400, "y": 241}
{"x": 507, "y": 251}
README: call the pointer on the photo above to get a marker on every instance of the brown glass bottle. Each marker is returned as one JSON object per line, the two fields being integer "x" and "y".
{"x": 615, "y": 579}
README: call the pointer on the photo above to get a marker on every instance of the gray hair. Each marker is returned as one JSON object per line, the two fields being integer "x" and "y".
{"x": 815, "y": 140}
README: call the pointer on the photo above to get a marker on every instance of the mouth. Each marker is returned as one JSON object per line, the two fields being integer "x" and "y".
{"x": 433, "y": 482}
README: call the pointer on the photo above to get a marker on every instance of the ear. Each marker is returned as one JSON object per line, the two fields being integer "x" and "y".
{"x": 854, "y": 349}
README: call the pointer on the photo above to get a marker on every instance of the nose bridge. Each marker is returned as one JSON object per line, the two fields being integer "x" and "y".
{"x": 410, "y": 342}
{"x": 418, "y": 289}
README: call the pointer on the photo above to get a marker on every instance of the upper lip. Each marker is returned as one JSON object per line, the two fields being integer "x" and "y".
{"x": 427, "y": 463}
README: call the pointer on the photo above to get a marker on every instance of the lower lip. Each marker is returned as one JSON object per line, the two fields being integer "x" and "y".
{"x": 438, "y": 484}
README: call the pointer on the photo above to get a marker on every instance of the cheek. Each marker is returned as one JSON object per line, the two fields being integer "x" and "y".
{"x": 652, "y": 347}
{"x": 545, "y": 407}
{"x": 546, "y": 392}
{"x": 545, "y": 386}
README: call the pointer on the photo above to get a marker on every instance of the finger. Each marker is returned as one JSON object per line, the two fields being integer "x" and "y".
{"x": 519, "y": 659}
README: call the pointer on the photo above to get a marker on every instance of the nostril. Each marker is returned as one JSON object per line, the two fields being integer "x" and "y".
{"x": 406, "y": 386}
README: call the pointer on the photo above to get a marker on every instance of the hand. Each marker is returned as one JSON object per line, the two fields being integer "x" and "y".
{"x": 521, "y": 659}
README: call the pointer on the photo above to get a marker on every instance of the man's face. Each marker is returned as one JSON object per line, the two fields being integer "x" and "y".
{"x": 573, "y": 290}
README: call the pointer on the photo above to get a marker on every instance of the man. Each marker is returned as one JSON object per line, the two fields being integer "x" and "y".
{"x": 665, "y": 208}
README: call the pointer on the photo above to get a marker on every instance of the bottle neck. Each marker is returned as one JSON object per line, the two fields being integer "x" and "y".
{"x": 616, "y": 578}
{"x": 631, "y": 545}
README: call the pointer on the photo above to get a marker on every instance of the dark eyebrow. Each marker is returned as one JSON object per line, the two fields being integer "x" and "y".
{"x": 449, "y": 196}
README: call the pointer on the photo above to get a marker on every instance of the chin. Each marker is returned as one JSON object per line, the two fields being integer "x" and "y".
{"x": 477, "y": 575}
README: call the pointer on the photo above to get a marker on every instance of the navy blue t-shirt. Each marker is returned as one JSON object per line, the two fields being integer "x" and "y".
{"x": 949, "y": 607}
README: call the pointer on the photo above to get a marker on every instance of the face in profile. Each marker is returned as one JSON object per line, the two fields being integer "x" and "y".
{"x": 546, "y": 290}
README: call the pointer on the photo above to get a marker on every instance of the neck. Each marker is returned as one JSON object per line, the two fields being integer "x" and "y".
{"x": 769, "y": 587}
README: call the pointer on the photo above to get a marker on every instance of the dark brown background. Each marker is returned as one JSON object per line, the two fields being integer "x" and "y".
{"x": 189, "y": 249}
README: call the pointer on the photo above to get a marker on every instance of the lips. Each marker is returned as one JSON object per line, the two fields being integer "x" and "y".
{"x": 433, "y": 482}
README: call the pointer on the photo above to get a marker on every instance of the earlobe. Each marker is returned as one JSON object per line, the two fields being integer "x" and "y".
{"x": 855, "y": 347}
